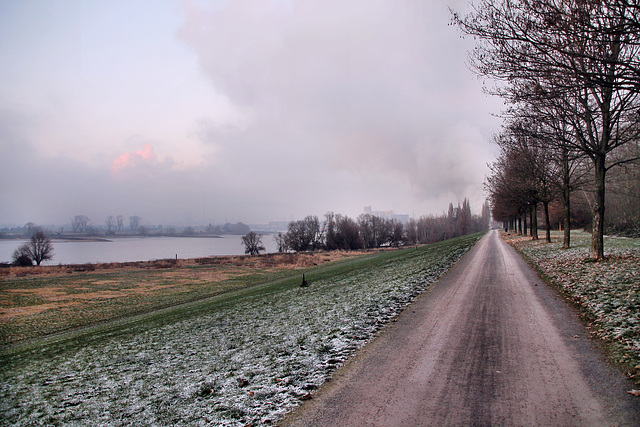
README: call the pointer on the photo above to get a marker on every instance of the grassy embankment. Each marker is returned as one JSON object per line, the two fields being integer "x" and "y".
{"x": 607, "y": 293}
{"x": 39, "y": 301}
{"x": 246, "y": 355}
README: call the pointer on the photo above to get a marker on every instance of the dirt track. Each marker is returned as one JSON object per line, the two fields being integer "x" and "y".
{"x": 490, "y": 344}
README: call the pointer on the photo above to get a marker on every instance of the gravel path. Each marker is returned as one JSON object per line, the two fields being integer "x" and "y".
{"x": 490, "y": 344}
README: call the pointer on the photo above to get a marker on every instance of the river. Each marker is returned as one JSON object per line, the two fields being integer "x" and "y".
{"x": 128, "y": 249}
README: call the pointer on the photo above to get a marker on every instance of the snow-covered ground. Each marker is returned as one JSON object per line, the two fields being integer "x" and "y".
{"x": 607, "y": 291}
{"x": 249, "y": 362}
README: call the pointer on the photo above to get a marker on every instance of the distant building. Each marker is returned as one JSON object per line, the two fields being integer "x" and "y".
{"x": 403, "y": 218}
{"x": 278, "y": 225}
{"x": 271, "y": 226}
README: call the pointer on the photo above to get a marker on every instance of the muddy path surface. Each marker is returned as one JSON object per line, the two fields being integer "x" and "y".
{"x": 490, "y": 344}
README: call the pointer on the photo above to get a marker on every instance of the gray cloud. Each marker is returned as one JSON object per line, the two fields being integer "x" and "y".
{"x": 320, "y": 106}
{"x": 366, "y": 88}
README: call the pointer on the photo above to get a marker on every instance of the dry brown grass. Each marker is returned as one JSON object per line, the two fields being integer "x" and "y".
{"x": 45, "y": 299}
{"x": 275, "y": 261}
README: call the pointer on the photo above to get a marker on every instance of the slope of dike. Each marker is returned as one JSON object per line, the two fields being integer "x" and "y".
{"x": 248, "y": 355}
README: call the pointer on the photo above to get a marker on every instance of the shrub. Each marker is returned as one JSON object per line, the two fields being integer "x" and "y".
{"x": 22, "y": 256}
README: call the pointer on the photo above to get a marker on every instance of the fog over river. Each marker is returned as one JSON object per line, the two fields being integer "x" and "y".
{"x": 138, "y": 249}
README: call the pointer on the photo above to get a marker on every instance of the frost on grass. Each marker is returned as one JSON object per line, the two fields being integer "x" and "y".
{"x": 608, "y": 291}
{"x": 251, "y": 361}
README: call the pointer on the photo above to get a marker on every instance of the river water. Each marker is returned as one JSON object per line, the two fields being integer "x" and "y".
{"x": 128, "y": 249}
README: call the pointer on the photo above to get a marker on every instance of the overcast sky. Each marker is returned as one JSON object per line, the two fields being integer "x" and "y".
{"x": 197, "y": 112}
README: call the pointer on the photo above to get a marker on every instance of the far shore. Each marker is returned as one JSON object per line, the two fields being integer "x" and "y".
{"x": 109, "y": 238}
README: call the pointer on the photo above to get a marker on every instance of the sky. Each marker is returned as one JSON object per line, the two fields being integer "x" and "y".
{"x": 195, "y": 112}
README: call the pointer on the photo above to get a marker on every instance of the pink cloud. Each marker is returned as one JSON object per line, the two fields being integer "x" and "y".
{"x": 130, "y": 159}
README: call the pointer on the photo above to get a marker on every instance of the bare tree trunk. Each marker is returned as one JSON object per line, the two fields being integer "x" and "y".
{"x": 566, "y": 213}
{"x": 566, "y": 199}
{"x": 534, "y": 221}
{"x": 597, "y": 232}
{"x": 545, "y": 204}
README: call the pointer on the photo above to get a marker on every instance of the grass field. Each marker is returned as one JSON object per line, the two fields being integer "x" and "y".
{"x": 246, "y": 350}
{"x": 607, "y": 293}
{"x": 37, "y": 301}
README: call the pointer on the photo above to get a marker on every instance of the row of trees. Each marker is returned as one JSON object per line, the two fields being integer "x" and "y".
{"x": 570, "y": 73}
{"x": 82, "y": 223}
{"x": 340, "y": 232}
{"x": 527, "y": 181}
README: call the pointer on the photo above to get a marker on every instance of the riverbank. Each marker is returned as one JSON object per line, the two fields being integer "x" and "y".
{"x": 38, "y": 301}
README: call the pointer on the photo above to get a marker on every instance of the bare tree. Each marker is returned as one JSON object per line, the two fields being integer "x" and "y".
{"x": 397, "y": 235}
{"x": 298, "y": 238}
{"x": 432, "y": 228}
{"x": 347, "y": 233}
{"x": 134, "y": 222}
{"x": 411, "y": 231}
{"x": 41, "y": 247}
{"x": 367, "y": 230}
{"x": 80, "y": 223}
{"x": 330, "y": 240}
{"x": 316, "y": 230}
{"x": 111, "y": 223}
{"x": 281, "y": 241}
{"x": 376, "y": 231}
{"x": 38, "y": 249}
{"x": 306, "y": 234}
{"x": 485, "y": 216}
{"x": 252, "y": 243}
{"x": 465, "y": 224}
{"x": 120, "y": 222}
